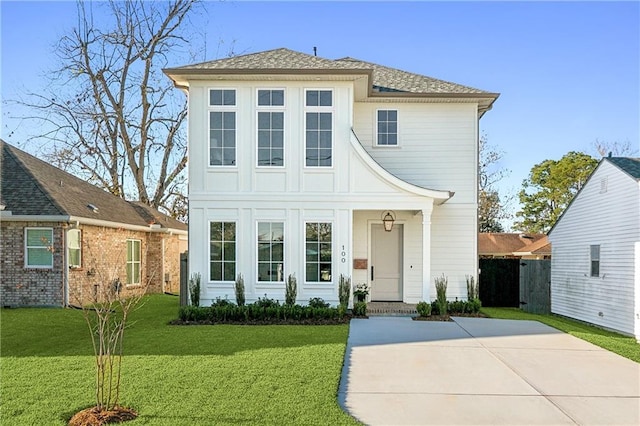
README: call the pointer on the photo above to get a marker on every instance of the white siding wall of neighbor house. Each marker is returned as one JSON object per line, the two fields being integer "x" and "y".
{"x": 611, "y": 219}
{"x": 295, "y": 194}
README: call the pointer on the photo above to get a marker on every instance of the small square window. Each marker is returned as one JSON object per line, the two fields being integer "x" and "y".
{"x": 222, "y": 97}
{"x": 270, "y": 97}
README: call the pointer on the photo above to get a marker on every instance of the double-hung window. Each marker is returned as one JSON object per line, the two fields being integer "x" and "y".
{"x": 270, "y": 128}
{"x": 133, "y": 262}
{"x": 222, "y": 127}
{"x": 38, "y": 248}
{"x": 270, "y": 251}
{"x": 387, "y": 131}
{"x": 319, "y": 128}
{"x": 74, "y": 248}
{"x": 318, "y": 252}
{"x": 595, "y": 260}
{"x": 222, "y": 240}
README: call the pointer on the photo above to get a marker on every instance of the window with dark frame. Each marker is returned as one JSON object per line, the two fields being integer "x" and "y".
{"x": 595, "y": 260}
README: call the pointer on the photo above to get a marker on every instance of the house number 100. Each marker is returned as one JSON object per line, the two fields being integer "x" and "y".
{"x": 343, "y": 256}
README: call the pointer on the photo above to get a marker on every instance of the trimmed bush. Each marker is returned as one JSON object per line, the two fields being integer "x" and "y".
{"x": 424, "y": 309}
{"x": 318, "y": 302}
{"x": 265, "y": 310}
{"x": 360, "y": 309}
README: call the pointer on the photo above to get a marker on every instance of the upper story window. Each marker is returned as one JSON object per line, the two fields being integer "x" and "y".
{"x": 595, "y": 260}
{"x": 270, "y": 128}
{"x": 222, "y": 127}
{"x": 74, "y": 248}
{"x": 222, "y": 240}
{"x": 319, "y": 128}
{"x": 387, "y": 131}
{"x": 38, "y": 244}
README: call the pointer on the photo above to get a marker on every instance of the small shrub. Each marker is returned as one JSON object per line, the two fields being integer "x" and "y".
{"x": 266, "y": 302}
{"x": 441, "y": 294}
{"x": 291, "y": 290}
{"x": 424, "y": 309}
{"x": 221, "y": 302}
{"x": 360, "y": 309}
{"x": 473, "y": 291}
{"x": 194, "y": 289}
{"x": 344, "y": 289}
{"x": 239, "y": 289}
{"x": 318, "y": 302}
{"x": 456, "y": 307}
{"x": 474, "y": 305}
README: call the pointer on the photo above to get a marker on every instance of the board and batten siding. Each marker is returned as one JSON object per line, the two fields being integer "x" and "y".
{"x": 438, "y": 150}
{"x": 606, "y": 212}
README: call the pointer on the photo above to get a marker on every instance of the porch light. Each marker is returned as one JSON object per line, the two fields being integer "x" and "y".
{"x": 387, "y": 221}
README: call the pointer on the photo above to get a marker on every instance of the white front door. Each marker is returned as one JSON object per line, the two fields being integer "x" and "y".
{"x": 385, "y": 271}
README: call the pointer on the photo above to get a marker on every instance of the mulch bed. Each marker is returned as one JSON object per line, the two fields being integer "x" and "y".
{"x": 344, "y": 320}
{"x": 94, "y": 417}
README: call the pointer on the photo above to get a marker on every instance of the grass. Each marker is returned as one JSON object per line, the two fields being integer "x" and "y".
{"x": 626, "y": 346}
{"x": 172, "y": 375}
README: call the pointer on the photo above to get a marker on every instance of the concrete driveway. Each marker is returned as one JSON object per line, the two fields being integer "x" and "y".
{"x": 481, "y": 371}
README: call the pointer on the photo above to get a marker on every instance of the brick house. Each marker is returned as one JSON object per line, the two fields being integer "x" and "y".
{"x": 63, "y": 240}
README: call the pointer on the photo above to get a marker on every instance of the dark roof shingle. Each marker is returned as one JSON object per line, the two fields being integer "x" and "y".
{"x": 631, "y": 166}
{"x": 30, "y": 186}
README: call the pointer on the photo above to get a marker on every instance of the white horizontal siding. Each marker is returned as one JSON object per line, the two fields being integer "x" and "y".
{"x": 437, "y": 145}
{"x": 454, "y": 247}
{"x": 610, "y": 219}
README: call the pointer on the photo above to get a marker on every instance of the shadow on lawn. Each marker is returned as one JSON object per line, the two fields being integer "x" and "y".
{"x": 63, "y": 332}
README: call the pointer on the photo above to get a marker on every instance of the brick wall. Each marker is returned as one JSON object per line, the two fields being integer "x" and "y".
{"x": 104, "y": 255}
{"x": 29, "y": 286}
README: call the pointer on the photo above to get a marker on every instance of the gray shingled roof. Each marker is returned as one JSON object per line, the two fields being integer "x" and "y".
{"x": 629, "y": 165}
{"x": 385, "y": 79}
{"x": 30, "y": 186}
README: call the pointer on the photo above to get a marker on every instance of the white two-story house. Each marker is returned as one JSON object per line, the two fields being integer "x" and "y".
{"x": 305, "y": 166}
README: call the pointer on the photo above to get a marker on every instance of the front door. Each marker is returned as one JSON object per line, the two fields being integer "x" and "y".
{"x": 386, "y": 264}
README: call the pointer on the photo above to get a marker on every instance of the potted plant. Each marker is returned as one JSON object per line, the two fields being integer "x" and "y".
{"x": 360, "y": 292}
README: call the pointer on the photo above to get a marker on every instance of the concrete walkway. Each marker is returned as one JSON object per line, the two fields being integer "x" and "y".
{"x": 480, "y": 371}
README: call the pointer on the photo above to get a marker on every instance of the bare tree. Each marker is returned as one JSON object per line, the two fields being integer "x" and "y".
{"x": 491, "y": 207}
{"x": 110, "y": 114}
{"x": 616, "y": 149}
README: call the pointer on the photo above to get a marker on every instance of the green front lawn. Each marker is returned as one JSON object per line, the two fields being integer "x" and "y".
{"x": 626, "y": 346}
{"x": 173, "y": 375}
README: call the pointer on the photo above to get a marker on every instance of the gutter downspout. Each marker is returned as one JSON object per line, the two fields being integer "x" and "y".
{"x": 65, "y": 268}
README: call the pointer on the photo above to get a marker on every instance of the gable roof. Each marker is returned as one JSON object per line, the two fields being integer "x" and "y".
{"x": 510, "y": 243}
{"x": 541, "y": 247}
{"x": 630, "y": 166}
{"x": 32, "y": 187}
{"x": 283, "y": 61}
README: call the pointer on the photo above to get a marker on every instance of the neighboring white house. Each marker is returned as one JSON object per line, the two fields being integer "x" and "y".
{"x": 296, "y": 160}
{"x": 595, "y": 262}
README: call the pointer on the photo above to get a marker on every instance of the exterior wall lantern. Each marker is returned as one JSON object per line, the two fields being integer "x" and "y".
{"x": 388, "y": 221}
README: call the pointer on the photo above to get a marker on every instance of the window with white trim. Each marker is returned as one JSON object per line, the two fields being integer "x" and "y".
{"x": 74, "y": 248}
{"x": 387, "y": 127}
{"x": 270, "y": 252}
{"x": 222, "y": 252}
{"x": 38, "y": 243}
{"x": 318, "y": 252}
{"x": 133, "y": 261}
{"x": 318, "y": 128}
{"x": 222, "y": 127}
{"x": 270, "y": 128}
{"x": 595, "y": 260}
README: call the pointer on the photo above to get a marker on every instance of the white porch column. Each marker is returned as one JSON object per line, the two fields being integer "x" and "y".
{"x": 426, "y": 251}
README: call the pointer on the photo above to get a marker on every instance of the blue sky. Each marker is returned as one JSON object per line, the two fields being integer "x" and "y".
{"x": 568, "y": 72}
